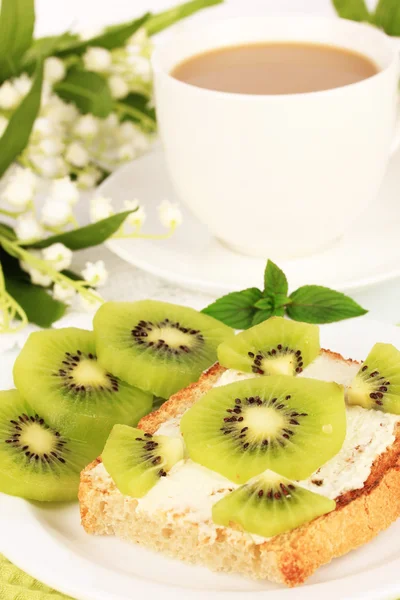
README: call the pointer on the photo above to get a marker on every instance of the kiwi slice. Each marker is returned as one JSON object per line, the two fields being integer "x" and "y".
{"x": 157, "y": 346}
{"x": 288, "y": 424}
{"x": 270, "y": 504}
{"x": 377, "y": 383}
{"x": 137, "y": 460}
{"x": 38, "y": 461}
{"x": 275, "y": 347}
{"x": 58, "y": 372}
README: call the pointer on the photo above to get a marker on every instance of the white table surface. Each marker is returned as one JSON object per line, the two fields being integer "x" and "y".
{"x": 127, "y": 282}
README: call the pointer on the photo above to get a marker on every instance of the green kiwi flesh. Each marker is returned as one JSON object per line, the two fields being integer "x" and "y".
{"x": 290, "y": 425}
{"x": 275, "y": 347}
{"x": 156, "y": 346}
{"x": 57, "y": 372}
{"x": 136, "y": 461}
{"x": 377, "y": 383}
{"x": 270, "y": 504}
{"x": 37, "y": 460}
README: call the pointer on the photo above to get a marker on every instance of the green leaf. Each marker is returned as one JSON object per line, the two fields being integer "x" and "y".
{"x": 236, "y": 309}
{"x": 44, "y": 47}
{"x": 16, "y": 136}
{"x": 264, "y": 304}
{"x": 275, "y": 281}
{"x": 261, "y": 316}
{"x": 355, "y": 10}
{"x": 135, "y": 107}
{"x": 17, "y": 19}
{"x": 317, "y": 304}
{"x": 85, "y": 237}
{"x": 39, "y": 306}
{"x": 157, "y": 23}
{"x": 113, "y": 37}
{"x": 7, "y": 232}
{"x": 88, "y": 90}
{"x": 387, "y": 16}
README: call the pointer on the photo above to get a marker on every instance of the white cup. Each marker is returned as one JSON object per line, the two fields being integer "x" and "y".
{"x": 286, "y": 175}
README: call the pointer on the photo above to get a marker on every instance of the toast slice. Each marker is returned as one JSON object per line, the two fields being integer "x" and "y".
{"x": 288, "y": 558}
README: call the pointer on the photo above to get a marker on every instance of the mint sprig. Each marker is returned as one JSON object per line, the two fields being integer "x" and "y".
{"x": 309, "y": 303}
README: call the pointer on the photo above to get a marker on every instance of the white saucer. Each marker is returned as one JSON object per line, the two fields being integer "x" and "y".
{"x": 367, "y": 254}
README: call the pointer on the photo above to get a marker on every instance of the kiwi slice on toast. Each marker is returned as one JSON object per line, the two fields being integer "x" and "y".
{"x": 287, "y": 424}
{"x": 38, "y": 461}
{"x": 137, "y": 460}
{"x": 270, "y": 504}
{"x": 57, "y": 372}
{"x": 275, "y": 347}
{"x": 377, "y": 383}
{"x": 157, "y": 346}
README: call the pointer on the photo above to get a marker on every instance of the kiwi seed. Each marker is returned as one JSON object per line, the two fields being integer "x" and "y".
{"x": 146, "y": 334}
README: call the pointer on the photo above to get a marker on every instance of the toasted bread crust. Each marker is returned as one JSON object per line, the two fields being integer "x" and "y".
{"x": 289, "y": 558}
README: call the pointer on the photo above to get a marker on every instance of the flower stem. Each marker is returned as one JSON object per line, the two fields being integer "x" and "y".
{"x": 10, "y": 310}
{"x": 125, "y": 109}
{"x": 10, "y": 213}
{"x": 144, "y": 236}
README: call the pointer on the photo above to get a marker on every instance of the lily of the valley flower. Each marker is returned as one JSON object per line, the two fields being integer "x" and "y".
{"x": 170, "y": 214}
{"x": 54, "y": 69}
{"x": 64, "y": 190}
{"x": 63, "y": 293}
{"x": 28, "y": 228}
{"x": 9, "y": 96}
{"x": 77, "y": 155}
{"x": 97, "y": 59}
{"x": 95, "y": 273}
{"x": 100, "y": 208}
{"x": 86, "y": 127}
{"x": 55, "y": 214}
{"x": 118, "y": 86}
{"x": 58, "y": 255}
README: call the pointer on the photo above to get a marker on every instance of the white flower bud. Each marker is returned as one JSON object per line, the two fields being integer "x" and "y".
{"x": 64, "y": 190}
{"x": 137, "y": 218}
{"x": 170, "y": 214}
{"x": 47, "y": 166}
{"x": 18, "y": 193}
{"x": 63, "y": 293}
{"x": 43, "y": 127}
{"x": 28, "y": 228}
{"x": 51, "y": 146}
{"x": 77, "y": 155}
{"x": 140, "y": 66}
{"x": 54, "y": 69}
{"x": 9, "y": 96}
{"x": 126, "y": 152}
{"x": 89, "y": 304}
{"x": 95, "y": 273}
{"x": 58, "y": 111}
{"x": 100, "y": 208}
{"x": 58, "y": 255}
{"x": 86, "y": 127}
{"x": 87, "y": 180}
{"x": 97, "y": 59}
{"x": 23, "y": 84}
{"x": 127, "y": 131}
{"x": 118, "y": 86}
{"x": 39, "y": 278}
{"x": 55, "y": 214}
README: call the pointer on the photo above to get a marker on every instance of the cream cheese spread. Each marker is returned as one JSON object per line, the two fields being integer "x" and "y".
{"x": 190, "y": 490}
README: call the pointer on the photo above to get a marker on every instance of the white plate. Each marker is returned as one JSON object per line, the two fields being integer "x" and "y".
{"x": 48, "y": 542}
{"x": 367, "y": 254}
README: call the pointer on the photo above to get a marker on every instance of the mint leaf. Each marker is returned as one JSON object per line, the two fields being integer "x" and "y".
{"x": 157, "y": 23}
{"x": 85, "y": 237}
{"x": 261, "y": 316}
{"x": 355, "y": 10}
{"x": 236, "y": 309}
{"x": 387, "y": 16}
{"x": 264, "y": 304}
{"x": 88, "y": 90}
{"x": 275, "y": 281}
{"x": 317, "y": 304}
{"x": 18, "y": 131}
{"x": 17, "y": 19}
